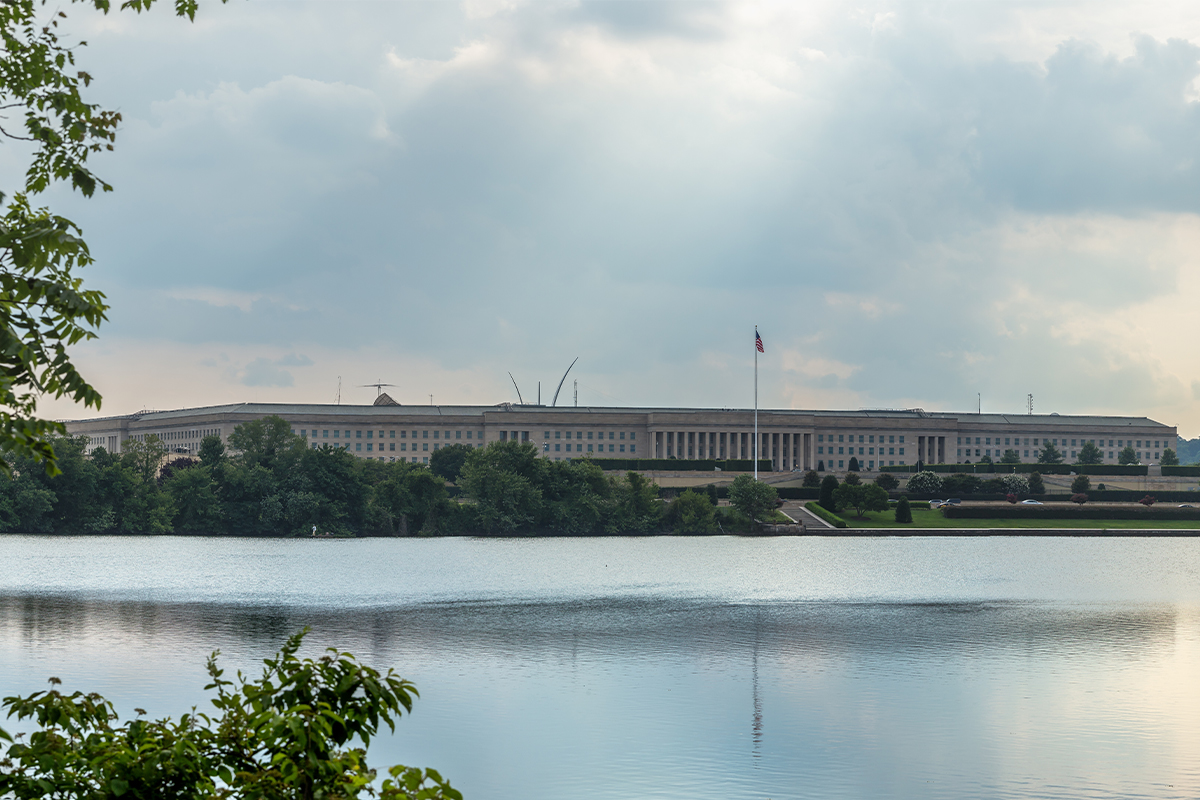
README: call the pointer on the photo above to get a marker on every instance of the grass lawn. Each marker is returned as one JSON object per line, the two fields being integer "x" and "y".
{"x": 932, "y": 518}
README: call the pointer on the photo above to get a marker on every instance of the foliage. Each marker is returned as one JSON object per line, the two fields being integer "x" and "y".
{"x": 887, "y": 481}
{"x": 852, "y": 478}
{"x": 692, "y": 513}
{"x": 811, "y": 479}
{"x": 1036, "y": 485}
{"x": 1079, "y": 497}
{"x": 1011, "y": 498}
{"x": 711, "y": 492}
{"x": 924, "y": 482}
{"x": 301, "y": 731}
{"x": 1090, "y": 454}
{"x": 1127, "y": 456}
{"x": 903, "y": 511}
{"x": 853, "y": 465}
{"x": 1148, "y": 500}
{"x": 448, "y": 462}
{"x": 752, "y": 498}
{"x": 829, "y": 484}
{"x": 1081, "y": 485}
{"x": 833, "y": 519}
{"x": 861, "y": 497}
{"x": 1010, "y": 457}
{"x": 1169, "y": 458}
{"x": 1016, "y": 484}
{"x": 960, "y": 484}
{"x": 985, "y": 460}
{"x": 1049, "y": 454}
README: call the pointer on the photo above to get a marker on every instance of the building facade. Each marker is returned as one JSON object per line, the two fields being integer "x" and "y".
{"x": 790, "y": 439}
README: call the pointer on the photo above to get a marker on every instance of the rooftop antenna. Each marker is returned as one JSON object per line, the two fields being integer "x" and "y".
{"x": 979, "y": 402}
{"x": 338, "y": 398}
{"x": 518, "y": 388}
{"x": 577, "y": 394}
{"x": 1029, "y": 403}
{"x": 539, "y": 393}
{"x": 378, "y": 387}
{"x": 560, "y": 383}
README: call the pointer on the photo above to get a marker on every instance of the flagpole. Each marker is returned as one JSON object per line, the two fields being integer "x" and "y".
{"x": 754, "y": 450}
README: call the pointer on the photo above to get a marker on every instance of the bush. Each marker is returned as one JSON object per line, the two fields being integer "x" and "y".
{"x": 903, "y": 511}
{"x": 692, "y": 513}
{"x": 852, "y": 478}
{"x": 1065, "y": 511}
{"x": 960, "y": 484}
{"x": 1169, "y": 458}
{"x": 1081, "y": 485}
{"x": 887, "y": 482}
{"x": 828, "y": 516}
{"x": 828, "y": 485}
{"x": 1100, "y": 487}
{"x": 861, "y": 497}
{"x": 1015, "y": 484}
{"x": 811, "y": 479}
{"x": 1147, "y": 501}
{"x": 853, "y": 464}
{"x": 1079, "y": 497}
{"x": 1011, "y": 498}
{"x": 752, "y": 498}
{"x": 1036, "y": 486}
{"x": 924, "y": 482}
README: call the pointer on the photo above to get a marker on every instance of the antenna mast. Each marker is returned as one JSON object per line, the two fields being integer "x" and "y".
{"x": 1029, "y": 403}
{"x": 338, "y": 398}
{"x": 577, "y": 394}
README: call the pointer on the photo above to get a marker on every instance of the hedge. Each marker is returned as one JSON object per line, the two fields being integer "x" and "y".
{"x": 1087, "y": 511}
{"x": 819, "y": 510}
{"x": 1183, "y": 472}
{"x": 1045, "y": 469}
{"x": 681, "y": 464}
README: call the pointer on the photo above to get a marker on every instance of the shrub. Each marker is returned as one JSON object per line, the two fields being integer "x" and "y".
{"x": 861, "y": 497}
{"x": 903, "y": 511}
{"x": 1016, "y": 484}
{"x": 852, "y": 478}
{"x": 692, "y": 513}
{"x": 1100, "y": 487}
{"x": 828, "y": 485}
{"x": 1035, "y": 483}
{"x": 1169, "y": 458}
{"x": 811, "y": 479}
{"x": 828, "y": 516}
{"x": 925, "y": 482}
{"x": 1079, "y": 498}
{"x": 887, "y": 481}
{"x": 1012, "y": 498}
{"x": 1081, "y": 485}
{"x": 960, "y": 483}
{"x": 1148, "y": 500}
{"x": 752, "y": 498}
{"x": 853, "y": 464}
{"x": 711, "y": 491}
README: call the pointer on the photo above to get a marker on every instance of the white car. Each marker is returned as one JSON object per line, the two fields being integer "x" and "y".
{"x": 1030, "y": 503}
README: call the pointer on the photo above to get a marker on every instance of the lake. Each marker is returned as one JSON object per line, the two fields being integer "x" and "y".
{"x": 665, "y": 667}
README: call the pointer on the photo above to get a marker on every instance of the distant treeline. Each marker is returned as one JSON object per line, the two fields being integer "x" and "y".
{"x": 272, "y": 483}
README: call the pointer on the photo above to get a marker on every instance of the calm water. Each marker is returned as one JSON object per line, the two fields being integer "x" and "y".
{"x": 672, "y": 668}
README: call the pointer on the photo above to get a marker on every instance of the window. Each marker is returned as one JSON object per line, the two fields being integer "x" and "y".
{"x": 841, "y": 438}
{"x": 468, "y": 434}
{"x": 820, "y": 450}
{"x": 424, "y": 435}
{"x": 860, "y": 439}
{"x": 424, "y": 445}
{"x": 841, "y": 464}
{"x": 435, "y": 434}
{"x": 558, "y": 447}
{"x": 403, "y": 434}
{"x": 871, "y": 450}
{"x": 901, "y": 442}
{"x": 820, "y": 437}
{"x": 370, "y": 446}
{"x": 892, "y": 440}
{"x": 610, "y": 448}
{"x": 404, "y": 445}
{"x": 840, "y": 451}
{"x": 547, "y": 436}
{"x": 622, "y": 448}
{"x": 611, "y": 434}
{"x": 902, "y": 449}
{"x": 358, "y": 434}
{"x": 589, "y": 448}
{"x": 325, "y": 434}
{"x": 633, "y": 448}
{"x": 622, "y": 436}
{"x": 391, "y": 445}
{"x": 892, "y": 451}
{"x": 358, "y": 445}
{"x": 458, "y": 434}
{"x": 589, "y": 436}
{"x": 558, "y": 434}
{"x": 391, "y": 434}
{"x": 871, "y": 440}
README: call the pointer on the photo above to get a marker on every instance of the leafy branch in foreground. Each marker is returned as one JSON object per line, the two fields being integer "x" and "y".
{"x": 300, "y": 731}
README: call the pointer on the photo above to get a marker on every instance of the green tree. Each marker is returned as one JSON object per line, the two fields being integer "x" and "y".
{"x": 924, "y": 482}
{"x": 887, "y": 481}
{"x": 1090, "y": 454}
{"x": 1036, "y": 486}
{"x": 903, "y": 510}
{"x": 46, "y": 308}
{"x": 853, "y": 464}
{"x": 852, "y": 478}
{"x": 197, "y": 505}
{"x": 299, "y": 732}
{"x": 212, "y": 450}
{"x": 448, "y": 462}
{"x": 1049, "y": 454}
{"x": 752, "y": 498}
{"x": 1010, "y": 457}
{"x": 829, "y": 485}
{"x": 861, "y": 497}
{"x": 692, "y": 513}
{"x": 1127, "y": 456}
{"x": 1169, "y": 458}
{"x": 266, "y": 441}
{"x": 1081, "y": 485}
{"x": 811, "y": 479}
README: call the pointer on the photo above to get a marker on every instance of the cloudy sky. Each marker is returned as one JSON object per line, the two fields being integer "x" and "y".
{"x": 915, "y": 202}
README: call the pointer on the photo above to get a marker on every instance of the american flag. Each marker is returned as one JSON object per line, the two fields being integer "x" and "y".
{"x": 758, "y": 343}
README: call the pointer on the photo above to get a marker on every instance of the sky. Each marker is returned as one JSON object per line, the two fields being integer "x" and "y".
{"x": 919, "y": 204}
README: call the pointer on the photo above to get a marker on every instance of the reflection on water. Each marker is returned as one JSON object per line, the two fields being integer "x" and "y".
{"x": 672, "y": 668}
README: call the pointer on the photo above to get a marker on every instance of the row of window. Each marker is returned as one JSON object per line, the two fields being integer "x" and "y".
{"x": 391, "y": 446}
{"x": 579, "y": 448}
{"x": 863, "y": 438}
{"x": 1060, "y": 442}
{"x": 870, "y": 465}
{"x": 313, "y": 433}
{"x": 870, "y": 451}
{"x": 599, "y": 434}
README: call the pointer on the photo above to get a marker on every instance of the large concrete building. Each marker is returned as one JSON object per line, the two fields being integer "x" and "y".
{"x": 790, "y": 439}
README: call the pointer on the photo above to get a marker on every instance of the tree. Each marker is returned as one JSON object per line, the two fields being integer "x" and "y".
{"x": 961, "y": 483}
{"x": 1090, "y": 454}
{"x": 1015, "y": 484}
{"x": 1169, "y": 458}
{"x": 1010, "y": 457}
{"x": 986, "y": 460}
{"x": 853, "y": 464}
{"x": 1127, "y": 456}
{"x": 829, "y": 485}
{"x": 811, "y": 479}
{"x": 212, "y": 450}
{"x": 301, "y": 731}
{"x": 1036, "y": 486}
{"x": 1079, "y": 497}
{"x": 903, "y": 510}
{"x": 447, "y": 463}
{"x": 861, "y": 497}
{"x": 1049, "y": 454}
{"x": 46, "y": 309}
{"x": 887, "y": 481}
{"x": 924, "y": 482}
{"x": 852, "y": 478}
{"x": 1081, "y": 485}
{"x": 752, "y": 498}
{"x": 692, "y": 513}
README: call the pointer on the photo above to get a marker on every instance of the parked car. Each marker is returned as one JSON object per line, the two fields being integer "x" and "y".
{"x": 1031, "y": 502}
{"x": 1185, "y": 505}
